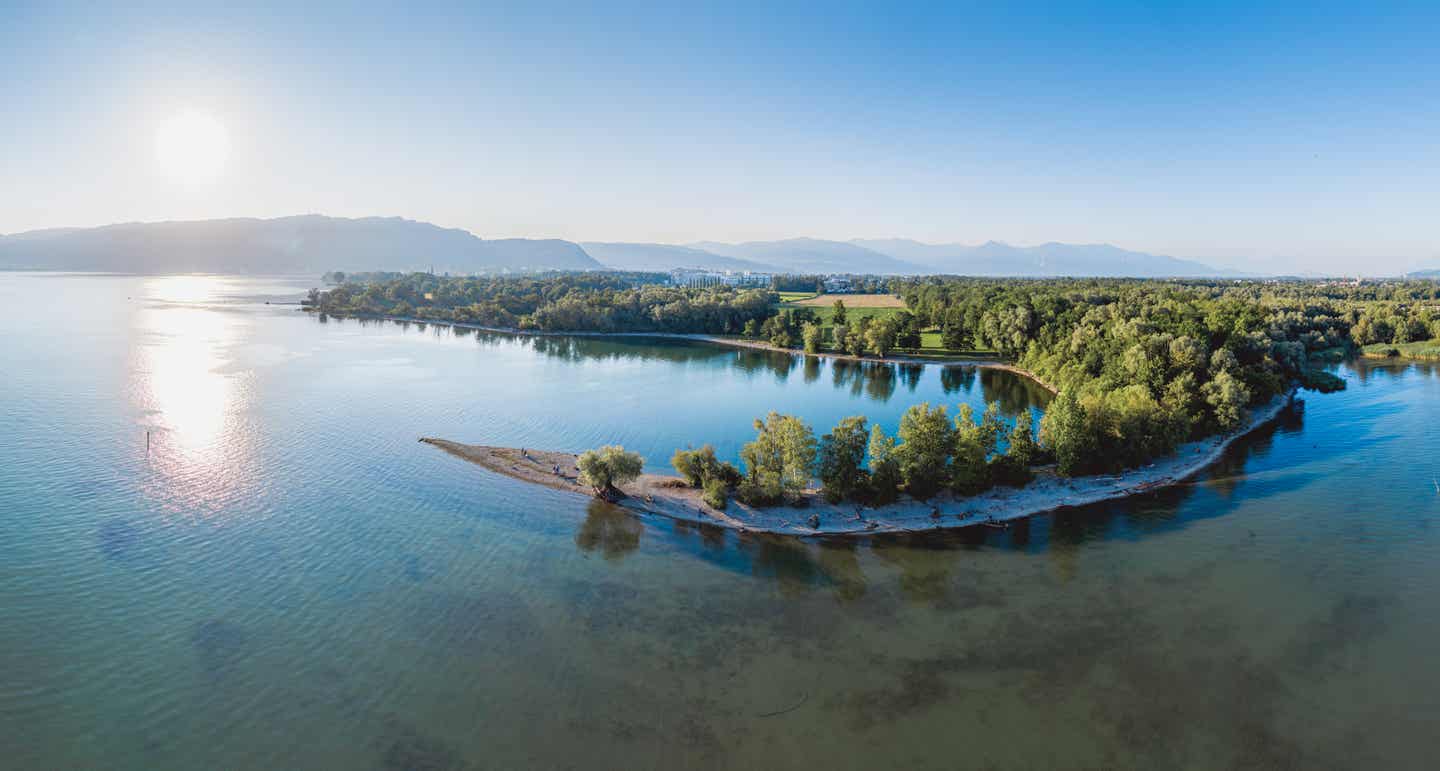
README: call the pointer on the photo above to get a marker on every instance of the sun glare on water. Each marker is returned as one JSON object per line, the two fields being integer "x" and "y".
{"x": 192, "y": 147}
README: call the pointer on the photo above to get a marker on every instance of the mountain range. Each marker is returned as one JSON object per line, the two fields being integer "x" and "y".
{"x": 905, "y": 257}
{"x": 1432, "y": 273}
{"x": 314, "y": 244}
{"x": 302, "y": 244}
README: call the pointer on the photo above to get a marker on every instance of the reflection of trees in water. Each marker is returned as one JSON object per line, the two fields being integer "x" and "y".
{"x": 957, "y": 379}
{"x": 609, "y": 529}
{"x": 910, "y": 375}
{"x": 839, "y": 560}
{"x": 1366, "y": 369}
{"x": 752, "y": 361}
{"x": 582, "y": 348}
{"x": 877, "y": 380}
{"x": 787, "y": 561}
{"x": 812, "y": 369}
{"x": 1013, "y": 392}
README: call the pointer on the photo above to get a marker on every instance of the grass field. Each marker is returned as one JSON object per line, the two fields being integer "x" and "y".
{"x": 874, "y": 306}
{"x": 1425, "y": 349}
{"x": 851, "y": 300}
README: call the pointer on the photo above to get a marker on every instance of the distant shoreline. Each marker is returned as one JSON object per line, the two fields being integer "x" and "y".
{"x": 984, "y": 363}
{"x": 668, "y": 496}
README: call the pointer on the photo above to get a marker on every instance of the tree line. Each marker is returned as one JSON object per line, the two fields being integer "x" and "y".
{"x": 575, "y": 302}
{"x": 855, "y": 461}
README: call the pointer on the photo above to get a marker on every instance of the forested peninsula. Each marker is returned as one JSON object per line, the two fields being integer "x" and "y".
{"x": 1147, "y": 374}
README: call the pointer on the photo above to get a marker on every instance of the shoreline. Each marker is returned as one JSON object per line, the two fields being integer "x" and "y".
{"x": 668, "y": 496}
{"x": 700, "y": 337}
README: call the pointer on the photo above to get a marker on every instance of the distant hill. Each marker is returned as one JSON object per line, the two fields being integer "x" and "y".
{"x": 303, "y": 244}
{"x": 1053, "y": 259}
{"x": 1432, "y": 273}
{"x": 812, "y": 255}
{"x": 663, "y": 257}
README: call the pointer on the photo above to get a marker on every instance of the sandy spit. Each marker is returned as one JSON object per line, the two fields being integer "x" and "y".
{"x": 668, "y": 496}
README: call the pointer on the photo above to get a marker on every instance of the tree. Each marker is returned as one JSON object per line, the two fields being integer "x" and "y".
{"x": 880, "y": 337}
{"x": 837, "y": 317}
{"x": 970, "y": 470}
{"x": 607, "y": 468}
{"x": 697, "y": 467}
{"x": 1227, "y": 397}
{"x": 842, "y": 459}
{"x": 751, "y": 329}
{"x": 1065, "y": 431}
{"x": 813, "y": 335}
{"x": 858, "y": 337}
{"x": 953, "y": 333}
{"x": 885, "y": 477}
{"x": 693, "y": 465}
{"x": 781, "y": 460}
{"x": 1022, "y": 445}
{"x": 841, "y": 334}
{"x": 907, "y": 333}
{"x": 926, "y": 443}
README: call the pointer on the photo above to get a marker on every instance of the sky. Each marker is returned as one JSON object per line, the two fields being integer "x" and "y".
{"x": 1274, "y": 136}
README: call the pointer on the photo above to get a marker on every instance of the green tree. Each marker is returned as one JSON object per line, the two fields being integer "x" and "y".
{"x": 880, "y": 337}
{"x": 695, "y": 466}
{"x": 751, "y": 329}
{"x": 907, "y": 334}
{"x": 841, "y": 335}
{"x": 970, "y": 470}
{"x": 1227, "y": 397}
{"x": 607, "y": 468}
{"x": 837, "y": 317}
{"x": 842, "y": 459}
{"x": 885, "y": 477}
{"x": 813, "y": 335}
{"x": 926, "y": 442}
{"x": 780, "y": 462}
{"x": 1022, "y": 445}
{"x": 1065, "y": 431}
{"x": 858, "y": 337}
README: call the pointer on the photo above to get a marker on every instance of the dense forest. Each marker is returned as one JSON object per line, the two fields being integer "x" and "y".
{"x": 1142, "y": 366}
{"x": 590, "y": 302}
{"x": 1138, "y": 366}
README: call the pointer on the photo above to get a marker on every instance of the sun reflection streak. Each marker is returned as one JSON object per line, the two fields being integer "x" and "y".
{"x": 190, "y": 401}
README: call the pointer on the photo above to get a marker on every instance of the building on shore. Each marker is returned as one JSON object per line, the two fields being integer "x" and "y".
{"x": 702, "y": 277}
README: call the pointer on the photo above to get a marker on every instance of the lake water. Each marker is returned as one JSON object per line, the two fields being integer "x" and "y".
{"x": 285, "y": 578}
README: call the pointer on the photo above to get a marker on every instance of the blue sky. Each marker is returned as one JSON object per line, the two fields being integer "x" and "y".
{"x": 1274, "y": 135}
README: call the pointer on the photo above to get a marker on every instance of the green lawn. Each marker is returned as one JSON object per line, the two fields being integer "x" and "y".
{"x": 1425, "y": 349}
{"x": 930, "y": 346}
{"x": 790, "y": 297}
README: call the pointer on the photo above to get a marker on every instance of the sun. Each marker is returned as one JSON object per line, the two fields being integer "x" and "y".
{"x": 192, "y": 147}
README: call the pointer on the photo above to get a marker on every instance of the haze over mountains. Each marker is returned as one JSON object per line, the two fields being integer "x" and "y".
{"x": 303, "y": 244}
{"x": 904, "y": 257}
{"x": 315, "y": 244}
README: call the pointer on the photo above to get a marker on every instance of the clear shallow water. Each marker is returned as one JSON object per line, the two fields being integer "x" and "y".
{"x": 287, "y": 579}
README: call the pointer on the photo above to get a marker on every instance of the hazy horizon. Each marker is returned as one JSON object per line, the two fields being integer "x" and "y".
{"x": 1294, "y": 138}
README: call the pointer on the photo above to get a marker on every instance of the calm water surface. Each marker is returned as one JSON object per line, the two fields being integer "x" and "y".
{"x": 287, "y": 579}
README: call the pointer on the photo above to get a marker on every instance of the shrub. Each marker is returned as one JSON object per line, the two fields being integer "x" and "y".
{"x": 716, "y": 494}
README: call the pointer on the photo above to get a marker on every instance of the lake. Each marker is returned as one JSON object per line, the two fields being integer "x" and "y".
{"x": 284, "y": 577}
